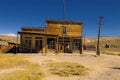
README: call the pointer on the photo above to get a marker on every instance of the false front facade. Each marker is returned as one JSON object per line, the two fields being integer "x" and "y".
{"x": 57, "y": 36}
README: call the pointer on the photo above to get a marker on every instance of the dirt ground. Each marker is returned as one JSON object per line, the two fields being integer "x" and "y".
{"x": 104, "y": 67}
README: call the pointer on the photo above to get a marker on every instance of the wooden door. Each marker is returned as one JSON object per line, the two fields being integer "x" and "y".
{"x": 61, "y": 47}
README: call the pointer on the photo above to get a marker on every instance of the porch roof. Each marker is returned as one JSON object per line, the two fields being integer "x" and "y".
{"x": 36, "y": 33}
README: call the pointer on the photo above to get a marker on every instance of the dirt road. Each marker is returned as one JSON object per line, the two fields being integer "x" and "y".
{"x": 104, "y": 67}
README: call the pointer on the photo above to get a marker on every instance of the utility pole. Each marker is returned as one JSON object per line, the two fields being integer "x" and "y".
{"x": 84, "y": 45}
{"x": 98, "y": 42}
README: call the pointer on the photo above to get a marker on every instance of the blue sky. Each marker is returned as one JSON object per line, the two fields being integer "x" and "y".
{"x": 17, "y": 13}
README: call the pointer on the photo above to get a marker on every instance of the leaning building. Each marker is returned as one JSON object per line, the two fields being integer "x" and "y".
{"x": 55, "y": 37}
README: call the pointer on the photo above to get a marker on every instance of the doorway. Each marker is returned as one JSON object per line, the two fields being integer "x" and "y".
{"x": 62, "y": 47}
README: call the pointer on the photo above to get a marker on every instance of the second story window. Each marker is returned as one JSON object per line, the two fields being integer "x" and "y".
{"x": 64, "y": 30}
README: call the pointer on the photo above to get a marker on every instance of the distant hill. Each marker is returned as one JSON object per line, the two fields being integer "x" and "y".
{"x": 103, "y": 40}
{"x": 9, "y": 38}
{"x": 112, "y": 42}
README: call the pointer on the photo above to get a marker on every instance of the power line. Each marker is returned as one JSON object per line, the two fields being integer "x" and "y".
{"x": 64, "y": 10}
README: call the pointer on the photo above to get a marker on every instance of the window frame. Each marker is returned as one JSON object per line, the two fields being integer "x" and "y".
{"x": 28, "y": 42}
{"x": 76, "y": 44}
{"x": 38, "y": 43}
{"x": 51, "y": 42}
{"x": 64, "y": 30}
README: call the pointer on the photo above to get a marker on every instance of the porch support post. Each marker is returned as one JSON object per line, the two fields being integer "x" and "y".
{"x": 44, "y": 45}
{"x": 56, "y": 44}
{"x": 71, "y": 42}
{"x": 81, "y": 45}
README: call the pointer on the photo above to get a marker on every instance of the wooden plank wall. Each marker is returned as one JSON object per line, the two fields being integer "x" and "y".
{"x": 72, "y": 29}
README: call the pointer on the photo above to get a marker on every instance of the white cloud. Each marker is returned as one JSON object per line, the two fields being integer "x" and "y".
{"x": 10, "y": 34}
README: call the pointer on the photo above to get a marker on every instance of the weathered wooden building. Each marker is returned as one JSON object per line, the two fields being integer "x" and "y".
{"x": 55, "y": 37}
{"x": 8, "y": 47}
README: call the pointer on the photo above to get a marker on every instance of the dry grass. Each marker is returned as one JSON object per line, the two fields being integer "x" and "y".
{"x": 111, "y": 52}
{"x": 11, "y": 60}
{"x": 66, "y": 69}
{"x": 24, "y": 75}
{"x": 30, "y": 71}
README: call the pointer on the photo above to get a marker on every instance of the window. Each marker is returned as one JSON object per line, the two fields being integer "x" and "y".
{"x": 38, "y": 43}
{"x": 64, "y": 30}
{"x": 28, "y": 42}
{"x": 76, "y": 44}
{"x": 51, "y": 43}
